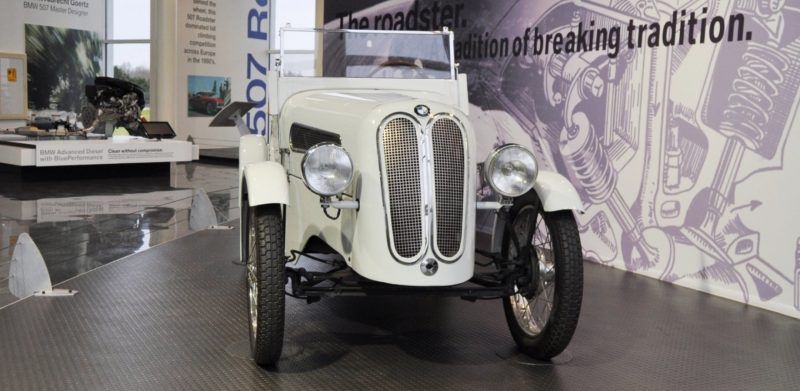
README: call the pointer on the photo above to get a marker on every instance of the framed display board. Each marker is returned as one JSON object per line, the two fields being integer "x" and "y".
{"x": 13, "y": 86}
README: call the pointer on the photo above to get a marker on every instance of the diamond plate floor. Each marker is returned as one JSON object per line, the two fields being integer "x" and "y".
{"x": 173, "y": 318}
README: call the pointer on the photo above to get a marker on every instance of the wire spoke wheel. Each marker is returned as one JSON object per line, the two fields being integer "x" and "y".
{"x": 532, "y": 311}
{"x": 252, "y": 279}
{"x": 543, "y": 312}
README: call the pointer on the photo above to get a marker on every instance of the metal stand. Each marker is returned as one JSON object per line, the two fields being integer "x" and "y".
{"x": 243, "y": 130}
{"x": 58, "y": 292}
{"x": 28, "y": 273}
{"x": 231, "y": 115}
{"x": 202, "y": 214}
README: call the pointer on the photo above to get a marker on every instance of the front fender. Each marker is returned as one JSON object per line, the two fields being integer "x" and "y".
{"x": 554, "y": 192}
{"x": 557, "y": 193}
{"x": 266, "y": 183}
{"x": 252, "y": 148}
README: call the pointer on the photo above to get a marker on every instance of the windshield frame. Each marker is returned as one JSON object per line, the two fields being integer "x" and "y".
{"x": 445, "y": 32}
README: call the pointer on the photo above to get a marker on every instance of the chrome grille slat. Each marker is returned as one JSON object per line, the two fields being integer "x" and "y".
{"x": 448, "y": 165}
{"x": 402, "y": 170}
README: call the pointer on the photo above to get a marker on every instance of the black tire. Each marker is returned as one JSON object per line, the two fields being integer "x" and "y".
{"x": 210, "y": 108}
{"x": 560, "y": 281}
{"x": 266, "y": 282}
{"x": 88, "y": 115}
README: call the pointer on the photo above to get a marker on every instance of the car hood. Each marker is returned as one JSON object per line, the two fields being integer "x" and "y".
{"x": 341, "y": 110}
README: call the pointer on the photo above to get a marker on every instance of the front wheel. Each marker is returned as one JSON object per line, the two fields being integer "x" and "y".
{"x": 265, "y": 282}
{"x": 543, "y": 312}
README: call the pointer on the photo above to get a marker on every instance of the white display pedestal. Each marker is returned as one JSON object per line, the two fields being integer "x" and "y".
{"x": 60, "y": 153}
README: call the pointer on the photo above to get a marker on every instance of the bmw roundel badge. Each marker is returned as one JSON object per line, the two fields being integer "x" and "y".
{"x": 422, "y": 110}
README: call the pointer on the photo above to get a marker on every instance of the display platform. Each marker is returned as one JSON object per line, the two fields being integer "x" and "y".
{"x": 61, "y": 153}
{"x": 220, "y": 153}
{"x": 78, "y": 208}
{"x": 174, "y": 317}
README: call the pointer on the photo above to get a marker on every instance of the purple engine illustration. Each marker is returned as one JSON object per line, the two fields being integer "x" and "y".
{"x": 677, "y": 152}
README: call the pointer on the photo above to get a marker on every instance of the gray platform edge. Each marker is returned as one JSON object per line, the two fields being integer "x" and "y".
{"x": 174, "y": 317}
{"x": 220, "y": 153}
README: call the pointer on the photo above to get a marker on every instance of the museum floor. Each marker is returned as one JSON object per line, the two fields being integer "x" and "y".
{"x": 174, "y": 316}
{"x": 79, "y": 225}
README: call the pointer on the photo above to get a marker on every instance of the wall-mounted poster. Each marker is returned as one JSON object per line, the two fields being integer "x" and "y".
{"x": 228, "y": 40}
{"x": 61, "y": 62}
{"x": 677, "y": 122}
{"x": 13, "y": 86}
{"x": 207, "y": 95}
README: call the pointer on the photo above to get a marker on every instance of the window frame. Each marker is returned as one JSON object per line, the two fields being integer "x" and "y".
{"x": 274, "y": 52}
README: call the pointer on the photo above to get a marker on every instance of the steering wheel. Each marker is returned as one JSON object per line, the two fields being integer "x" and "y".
{"x": 397, "y": 63}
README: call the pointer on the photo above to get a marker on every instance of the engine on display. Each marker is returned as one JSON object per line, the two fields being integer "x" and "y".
{"x": 113, "y": 103}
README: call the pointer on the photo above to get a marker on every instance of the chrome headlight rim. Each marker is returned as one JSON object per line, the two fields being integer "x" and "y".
{"x": 489, "y": 163}
{"x": 304, "y": 167}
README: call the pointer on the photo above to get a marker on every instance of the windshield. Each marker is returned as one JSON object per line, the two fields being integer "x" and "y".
{"x": 366, "y": 54}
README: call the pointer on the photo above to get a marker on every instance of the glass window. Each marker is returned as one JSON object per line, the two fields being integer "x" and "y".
{"x": 129, "y": 19}
{"x": 298, "y": 13}
{"x": 384, "y": 54}
{"x": 128, "y": 43}
{"x": 131, "y": 62}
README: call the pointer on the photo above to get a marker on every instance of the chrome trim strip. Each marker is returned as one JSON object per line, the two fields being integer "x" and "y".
{"x": 452, "y": 55}
{"x": 410, "y": 32}
{"x": 489, "y": 205}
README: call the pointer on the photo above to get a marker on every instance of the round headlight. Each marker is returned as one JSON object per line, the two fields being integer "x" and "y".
{"x": 327, "y": 169}
{"x": 511, "y": 170}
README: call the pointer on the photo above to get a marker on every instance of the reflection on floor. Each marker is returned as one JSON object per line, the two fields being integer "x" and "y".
{"x": 80, "y": 225}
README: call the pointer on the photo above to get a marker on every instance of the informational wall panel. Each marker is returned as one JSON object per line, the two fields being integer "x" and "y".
{"x": 13, "y": 86}
{"x": 222, "y": 57}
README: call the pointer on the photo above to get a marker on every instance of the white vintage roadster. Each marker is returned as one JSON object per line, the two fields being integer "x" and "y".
{"x": 372, "y": 160}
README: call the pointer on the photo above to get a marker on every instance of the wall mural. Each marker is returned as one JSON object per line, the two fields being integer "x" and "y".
{"x": 671, "y": 118}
